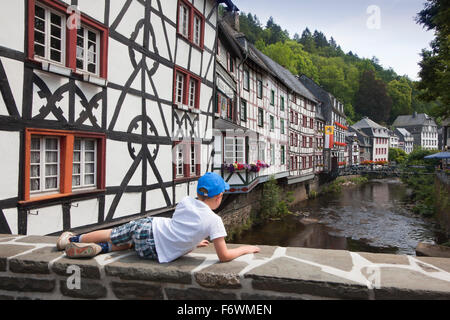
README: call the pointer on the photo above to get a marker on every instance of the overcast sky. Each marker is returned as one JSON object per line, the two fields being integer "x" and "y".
{"x": 382, "y": 28}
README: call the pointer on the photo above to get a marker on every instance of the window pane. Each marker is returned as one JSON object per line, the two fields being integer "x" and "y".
{"x": 35, "y": 157}
{"x": 51, "y": 170}
{"x": 55, "y": 56}
{"x": 39, "y": 50}
{"x": 35, "y": 171}
{"x": 92, "y": 68}
{"x": 184, "y": 20}
{"x": 39, "y": 12}
{"x": 35, "y": 144}
{"x": 76, "y": 181}
{"x": 180, "y": 87}
{"x": 35, "y": 184}
{"x": 192, "y": 93}
{"x": 55, "y": 19}
{"x": 51, "y": 144}
{"x": 197, "y": 30}
{"x": 56, "y": 32}
{"x": 80, "y": 41}
{"x": 55, "y": 43}
{"x": 90, "y": 157}
{"x": 90, "y": 145}
{"x": 76, "y": 156}
{"x": 89, "y": 168}
{"x": 51, "y": 157}
{"x": 92, "y": 36}
{"x": 51, "y": 183}
{"x": 76, "y": 169}
{"x": 91, "y": 57}
{"x": 80, "y": 58}
{"x": 39, "y": 37}
{"x": 89, "y": 179}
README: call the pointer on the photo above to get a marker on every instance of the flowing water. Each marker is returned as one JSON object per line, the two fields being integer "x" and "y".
{"x": 375, "y": 217}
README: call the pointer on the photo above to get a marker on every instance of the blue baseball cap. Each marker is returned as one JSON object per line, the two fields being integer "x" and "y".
{"x": 213, "y": 183}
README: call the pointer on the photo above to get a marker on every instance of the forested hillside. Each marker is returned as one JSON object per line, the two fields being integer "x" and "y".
{"x": 363, "y": 85}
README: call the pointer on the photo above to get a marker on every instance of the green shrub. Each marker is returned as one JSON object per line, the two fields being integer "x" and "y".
{"x": 272, "y": 204}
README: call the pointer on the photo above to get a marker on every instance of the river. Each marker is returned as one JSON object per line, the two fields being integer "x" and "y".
{"x": 374, "y": 217}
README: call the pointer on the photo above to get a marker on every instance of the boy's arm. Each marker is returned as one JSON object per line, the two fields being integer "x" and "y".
{"x": 226, "y": 254}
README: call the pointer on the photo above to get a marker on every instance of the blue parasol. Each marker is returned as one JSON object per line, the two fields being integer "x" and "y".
{"x": 440, "y": 155}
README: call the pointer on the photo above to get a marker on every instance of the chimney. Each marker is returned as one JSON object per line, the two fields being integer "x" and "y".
{"x": 232, "y": 18}
{"x": 414, "y": 114}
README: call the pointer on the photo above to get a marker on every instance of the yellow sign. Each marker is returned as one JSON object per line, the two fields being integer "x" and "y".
{"x": 329, "y": 130}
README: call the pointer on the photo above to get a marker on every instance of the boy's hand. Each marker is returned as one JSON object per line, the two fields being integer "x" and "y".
{"x": 253, "y": 249}
{"x": 203, "y": 243}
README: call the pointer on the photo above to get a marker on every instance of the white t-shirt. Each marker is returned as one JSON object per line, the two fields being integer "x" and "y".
{"x": 192, "y": 222}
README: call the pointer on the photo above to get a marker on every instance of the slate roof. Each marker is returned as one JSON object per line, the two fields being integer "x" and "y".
{"x": 268, "y": 65}
{"x": 224, "y": 33}
{"x": 320, "y": 93}
{"x": 370, "y": 128}
{"x": 362, "y": 137}
{"x": 367, "y": 123}
{"x": 419, "y": 119}
{"x": 403, "y": 132}
{"x": 287, "y": 77}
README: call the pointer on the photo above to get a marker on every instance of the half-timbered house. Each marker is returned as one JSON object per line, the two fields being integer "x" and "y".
{"x": 299, "y": 113}
{"x": 106, "y": 109}
{"x": 333, "y": 111}
{"x": 247, "y": 137}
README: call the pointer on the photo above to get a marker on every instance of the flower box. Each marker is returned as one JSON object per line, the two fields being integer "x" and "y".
{"x": 251, "y": 167}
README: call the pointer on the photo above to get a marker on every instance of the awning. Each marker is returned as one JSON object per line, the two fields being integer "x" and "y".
{"x": 440, "y": 155}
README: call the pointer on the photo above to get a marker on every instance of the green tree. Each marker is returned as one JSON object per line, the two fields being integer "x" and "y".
{"x": 397, "y": 155}
{"x": 401, "y": 95}
{"x": 307, "y": 41}
{"x": 372, "y": 99}
{"x": 435, "y": 64}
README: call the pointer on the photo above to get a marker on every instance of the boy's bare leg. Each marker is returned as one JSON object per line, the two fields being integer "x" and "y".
{"x": 97, "y": 236}
{"x": 103, "y": 236}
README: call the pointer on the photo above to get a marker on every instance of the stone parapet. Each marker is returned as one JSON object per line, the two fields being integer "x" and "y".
{"x": 32, "y": 268}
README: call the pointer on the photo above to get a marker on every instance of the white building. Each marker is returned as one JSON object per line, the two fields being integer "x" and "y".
{"x": 379, "y": 136}
{"x": 406, "y": 140}
{"x": 422, "y": 127}
{"x": 393, "y": 140}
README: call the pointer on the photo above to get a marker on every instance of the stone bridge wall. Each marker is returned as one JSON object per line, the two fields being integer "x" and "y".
{"x": 31, "y": 268}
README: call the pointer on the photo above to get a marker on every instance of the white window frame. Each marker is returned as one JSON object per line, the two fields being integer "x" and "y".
{"x": 260, "y": 89}
{"x": 48, "y": 36}
{"x": 179, "y": 160}
{"x": 192, "y": 92}
{"x": 197, "y": 32}
{"x": 83, "y": 162}
{"x": 232, "y": 153}
{"x": 184, "y": 20}
{"x": 179, "y": 93}
{"x": 261, "y": 151}
{"x": 42, "y": 166}
{"x": 192, "y": 160}
{"x": 86, "y": 50}
{"x": 272, "y": 153}
{"x": 246, "y": 82}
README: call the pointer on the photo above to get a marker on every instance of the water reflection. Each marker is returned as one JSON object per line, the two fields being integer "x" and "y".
{"x": 371, "y": 218}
